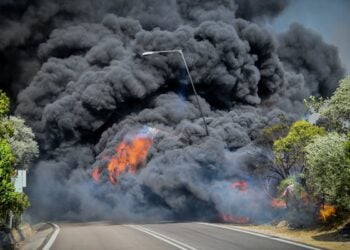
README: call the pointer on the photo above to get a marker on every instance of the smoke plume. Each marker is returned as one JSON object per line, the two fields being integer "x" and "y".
{"x": 76, "y": 72}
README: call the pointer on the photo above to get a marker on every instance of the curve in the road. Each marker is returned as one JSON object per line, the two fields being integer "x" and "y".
{"x": 164, "y": 236}
{"x": 53, "y": 237}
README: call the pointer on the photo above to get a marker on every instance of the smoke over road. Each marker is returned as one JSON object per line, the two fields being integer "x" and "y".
{"x": 83, "y": 86}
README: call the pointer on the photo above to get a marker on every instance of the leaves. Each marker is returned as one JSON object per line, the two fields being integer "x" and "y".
{"x": 8, "y": 195}
{"x": 334, "y": 111}
{"x": 272, "y": 133}
{"x": 22, "y": 142}
{"x": 10, "y": 200}
{"x": 289, "y": 150}
{"x": 16, "y": 145}
{"x": 323, "y": 160}
{"x": 314, "y": 104}
{"x": 338, "y": 108}
{"x": 4, "y": 103}
{"x": 329, "y": 169}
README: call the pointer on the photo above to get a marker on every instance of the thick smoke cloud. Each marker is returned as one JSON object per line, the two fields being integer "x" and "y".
{"x": 303, "y": 51}
{"x": 24, "y": 24}
{"x": 252, "y": 9}
{"x": 88, "y": 87}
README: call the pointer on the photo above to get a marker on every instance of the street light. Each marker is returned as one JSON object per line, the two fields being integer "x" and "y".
{"x": 147, "y": 53}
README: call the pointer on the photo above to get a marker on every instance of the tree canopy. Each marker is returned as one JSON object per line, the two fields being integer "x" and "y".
{"x": 334, "y": 112}
{"x": 289, "y": 150}
{"x": 10, "y": 200}
{"x": 22, "y": 142}
{"x": 6, "y": 129}
{"x": 328, "y": 171}
{"x": 17, "y": 145}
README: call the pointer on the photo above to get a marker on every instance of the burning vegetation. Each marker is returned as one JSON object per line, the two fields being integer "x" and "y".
{"x": 278, "y": 203}
{"x": 240, "y": 187}
{"x": 326, "y": 212}
{"x": 89, "y": 95}
{"x": 129, "y": 155}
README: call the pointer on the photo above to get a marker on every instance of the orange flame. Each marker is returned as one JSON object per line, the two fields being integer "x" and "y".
{"x": 278, "y": 203}
{"x": 129, "y": 155}
{"x": 327, "y": 211}
{"x": 234, "y": 219}
{"x": 95, "y": 174}
{"x": 242, "y": 186}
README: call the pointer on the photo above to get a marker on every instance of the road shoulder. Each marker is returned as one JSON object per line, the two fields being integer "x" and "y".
{"x": 304, "y": 236}
{"x": 42, "y": 233}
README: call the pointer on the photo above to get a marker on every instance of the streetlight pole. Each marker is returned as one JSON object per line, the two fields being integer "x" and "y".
{"x": 147, "y": 53}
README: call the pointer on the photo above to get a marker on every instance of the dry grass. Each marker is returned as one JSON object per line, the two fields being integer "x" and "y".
{"x": 318, "y": 237}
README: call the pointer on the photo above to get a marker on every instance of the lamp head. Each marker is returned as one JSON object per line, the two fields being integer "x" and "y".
{"x": 147, "y": 53}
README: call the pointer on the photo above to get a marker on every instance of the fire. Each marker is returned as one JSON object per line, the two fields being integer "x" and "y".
{"x": 95, "y": 174}
{"x": 242, "y": 186}
{"x": 278, "y": 203}
{"x": 326, "y": 211}
{"x": 234, "y": 219}
{"x": 129, "y": 155}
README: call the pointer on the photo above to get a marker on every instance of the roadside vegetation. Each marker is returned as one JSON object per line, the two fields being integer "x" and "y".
{"x": 17, "y": 149}
{"x": 312, "y": 160}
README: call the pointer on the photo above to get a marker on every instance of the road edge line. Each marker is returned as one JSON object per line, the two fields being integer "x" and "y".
{"x": 53, "y": 236}
{"x": 276, "y": 238}
{"x": 144, "y": 230}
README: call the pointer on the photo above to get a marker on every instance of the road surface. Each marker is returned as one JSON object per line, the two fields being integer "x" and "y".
{"x": 167, "y": 236}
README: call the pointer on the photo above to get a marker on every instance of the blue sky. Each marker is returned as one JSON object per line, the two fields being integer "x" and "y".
{"x": 330, "y": 18}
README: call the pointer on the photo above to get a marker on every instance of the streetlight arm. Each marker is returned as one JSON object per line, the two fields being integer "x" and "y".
{"x": 147, "y": 53}
{"x": 195, "y": 93}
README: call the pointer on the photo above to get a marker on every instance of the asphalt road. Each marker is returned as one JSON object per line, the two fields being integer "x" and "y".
{"x": 185, "y": 236}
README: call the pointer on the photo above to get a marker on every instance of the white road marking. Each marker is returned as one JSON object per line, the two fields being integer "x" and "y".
{"x": 53, "y": 237}
{"x": 260, "y": 235}
{"x": 167, "y": 239}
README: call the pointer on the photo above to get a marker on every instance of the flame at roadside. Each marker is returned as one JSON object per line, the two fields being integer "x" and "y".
{"x": 278, "y": 203}
{"x": 227, "y": 218}
{"x": 326, "y": 212}
{"x": 241, "y": 187}
{"x": 95, "y": 174}
{"x": 129, "y": 155}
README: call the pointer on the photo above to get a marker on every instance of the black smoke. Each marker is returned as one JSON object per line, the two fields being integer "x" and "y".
{"x": 76, "y": 73}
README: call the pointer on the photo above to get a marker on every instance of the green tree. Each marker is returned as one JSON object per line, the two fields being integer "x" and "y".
{"x": 4, "y": 104}
{"x": 10, "y": 200}
{"x": 328, "y": 168}
{"x": 347, "y": 150}
{"x": 289, "y": 150}
{"x": 22, "y": 142}
{"x": 297, "y": 191}
{"x": 272, "y": 133}
{"x": 334, "y": 111}
{"x": 5, "y": 125}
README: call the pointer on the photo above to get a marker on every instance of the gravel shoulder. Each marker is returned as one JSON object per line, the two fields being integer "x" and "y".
{"x": 315, "y": 237}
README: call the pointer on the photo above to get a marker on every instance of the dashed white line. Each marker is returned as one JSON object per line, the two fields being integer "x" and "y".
{"x": 167, "y": 239}
{"x": 261, "y": 235}
{"x": 53, "y": 237}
